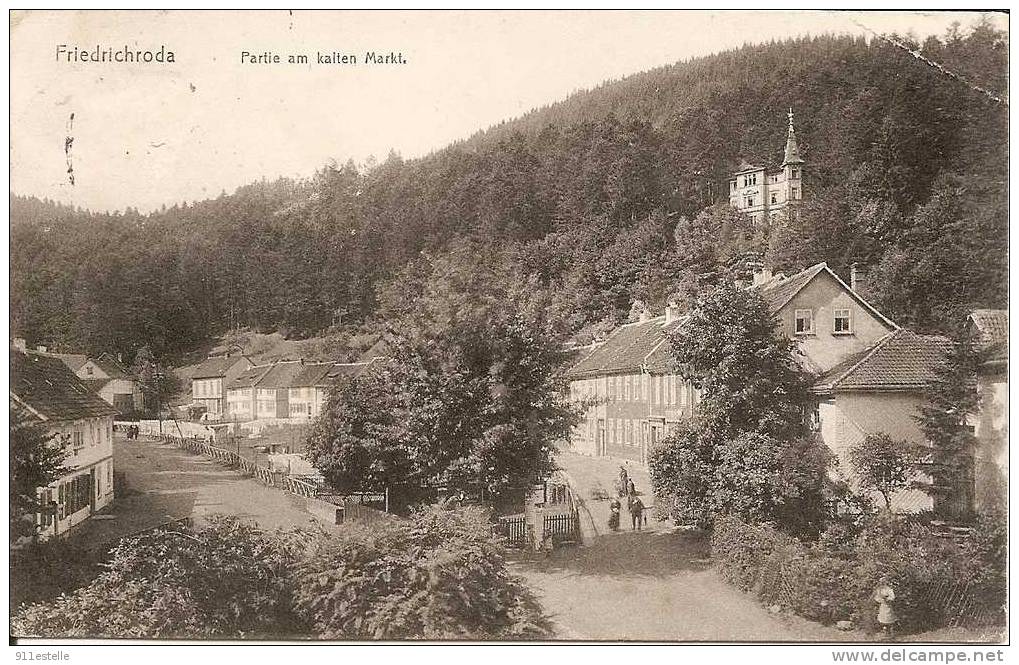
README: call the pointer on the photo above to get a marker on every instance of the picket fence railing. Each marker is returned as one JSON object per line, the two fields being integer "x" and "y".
{"x": 246, "y": 466}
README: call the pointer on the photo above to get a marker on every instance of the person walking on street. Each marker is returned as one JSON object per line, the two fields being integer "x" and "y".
{"x": 631, "y": 489}
{"x": 624, "y": 480}
{"x": 636, "y": 512}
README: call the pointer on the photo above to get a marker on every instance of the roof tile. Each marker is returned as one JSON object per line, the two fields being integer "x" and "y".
{"x": 216, "y": 366}
{"x": 900, "y": 360}
{"x": 48, "y": 386}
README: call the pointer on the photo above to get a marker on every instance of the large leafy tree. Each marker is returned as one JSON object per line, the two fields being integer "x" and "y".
{"x": 744, "y": 367}
{"x": 748, "y": 452}
{"x": 36, "y": 460}
{"x": 472, "y": 393}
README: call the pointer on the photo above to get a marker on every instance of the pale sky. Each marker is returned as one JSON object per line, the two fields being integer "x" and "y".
{"x": 149, "y": 134}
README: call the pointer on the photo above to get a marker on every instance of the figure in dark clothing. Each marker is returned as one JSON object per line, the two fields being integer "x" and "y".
{"x": 631, "y": 489}
{"x": 637, "y": 513}
{"x": 615, "y": 507}
{"x": 624, "y": 481}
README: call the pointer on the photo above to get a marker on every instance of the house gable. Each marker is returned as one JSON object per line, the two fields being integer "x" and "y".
{"x": 820, "y": 298}
{"x": 91, "y": 371}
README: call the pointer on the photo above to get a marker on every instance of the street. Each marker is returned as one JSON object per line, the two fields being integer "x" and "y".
{"x": 158, "y": 482}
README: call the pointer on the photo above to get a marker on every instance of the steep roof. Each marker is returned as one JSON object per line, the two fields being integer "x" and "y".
{"x": 323, "y": 375}
{"x": 281, "y": 374}
{"x": 73, "y": 360}
{"x": 113, "y": 369}
{"x": 746, "y": 167}
{"x": 49, "y": 389}
{"x": 779, "y": 291}
{"x": 992, "y": 331}
{"x": 249, "y": 377}
{"x": 901, "y": 360}
{"x": 380, "y": 349}
{"x": 95, "y": 385}
{"x": 628, "y": 348}
{"x": 645, "y": 345}
{"x": 216, "y": 366}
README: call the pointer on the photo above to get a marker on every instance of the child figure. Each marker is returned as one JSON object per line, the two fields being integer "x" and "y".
{"x": 884, "y": 595}
{"x": 615, "y": 507}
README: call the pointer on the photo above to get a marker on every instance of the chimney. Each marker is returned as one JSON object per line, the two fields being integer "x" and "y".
{"x": 761, "y": 275}
{"x": 41, "y": 348}
{"x": 672, "y": 312}
{"x": 19, "y": 343}
{"x": 857, "y": 279}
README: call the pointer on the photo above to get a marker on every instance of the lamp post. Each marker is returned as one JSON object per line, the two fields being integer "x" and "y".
{"x": 157, "y": 377}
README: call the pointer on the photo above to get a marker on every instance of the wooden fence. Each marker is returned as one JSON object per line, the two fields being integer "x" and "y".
{"x": 563, "y": 527}
{"x": 514, "y": 529}
{"x": 246, "y": 466}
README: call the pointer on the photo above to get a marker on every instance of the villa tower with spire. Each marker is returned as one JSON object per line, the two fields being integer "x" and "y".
{"x": 764, "y": 194}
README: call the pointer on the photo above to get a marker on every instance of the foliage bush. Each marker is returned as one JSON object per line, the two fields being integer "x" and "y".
{"x": 43, "y": 570}
{"x": 440, "y": 575}
{"x": 226, "y": 580}
{"x": 938, "y": 581}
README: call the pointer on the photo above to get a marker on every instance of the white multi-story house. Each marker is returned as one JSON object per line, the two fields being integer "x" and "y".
{"x": 210, "y": 379}
{"x": 763, "y": 193}
{"x": 45, "y": 388}
{"x": 310, "y": 390}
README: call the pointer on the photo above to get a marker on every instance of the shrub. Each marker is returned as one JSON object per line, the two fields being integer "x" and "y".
{"x": 441, "y": 575}
{"x": 741, "y": 549}
{"x": 43, "y": 570}
{"x": 938, "y": 581}
{"x": 227, "y": 579}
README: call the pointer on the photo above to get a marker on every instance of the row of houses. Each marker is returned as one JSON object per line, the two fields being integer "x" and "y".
{"x": 870, "y": 377}
{"x": 234, "y": 388}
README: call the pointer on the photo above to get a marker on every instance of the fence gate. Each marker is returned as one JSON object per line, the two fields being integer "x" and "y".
{"x": 562, "y": 528}
{"x": 514, "y": 528}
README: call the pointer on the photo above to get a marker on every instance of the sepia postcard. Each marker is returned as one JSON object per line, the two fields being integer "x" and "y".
{"x": 506, "y": 326}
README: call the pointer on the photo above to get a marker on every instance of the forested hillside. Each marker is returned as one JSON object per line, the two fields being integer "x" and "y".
{"x": 605, "y": 197}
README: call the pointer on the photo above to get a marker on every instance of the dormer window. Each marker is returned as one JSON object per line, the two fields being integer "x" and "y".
{"x": 804, "y": 322}
{"x": 843, "y": 322}
{"x": 88, "y": 370}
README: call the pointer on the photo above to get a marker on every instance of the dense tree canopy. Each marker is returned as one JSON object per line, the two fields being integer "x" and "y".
{"x": 748, "y": 452}
{"x": 472, "y": 393}
{"x": 906, "y": 173}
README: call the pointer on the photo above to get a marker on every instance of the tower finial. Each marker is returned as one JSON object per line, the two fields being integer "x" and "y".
{"x": 792, "y": 153}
